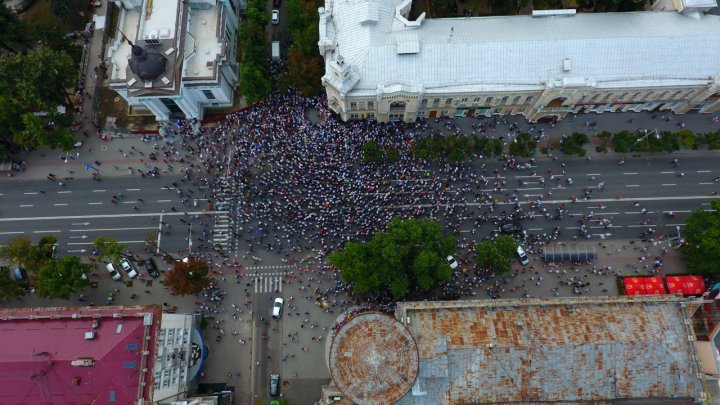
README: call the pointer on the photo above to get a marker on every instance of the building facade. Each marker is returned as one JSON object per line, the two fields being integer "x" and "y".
{"x": 381, "y": 65}
{"x": 174, "y": 58}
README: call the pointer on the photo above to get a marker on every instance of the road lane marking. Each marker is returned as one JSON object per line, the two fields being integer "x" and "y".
{"x": 642, "y": 226}
{"x": 705, "y": 184}
{"x": 669, "y": 184}
{"x": 120, "y": 241}
{"x": 132, "y": 189}
{"x": 607, "y": 213}
{"x": 639, "y": 212}
{"x": 667, "y": 172}
{"x": 525, "y": 189}
{"x": 112, "y": 229}
{"x": 594, "y": 174}
{"x": 99, "y": 191}
{"x": 703, "y": 171}
{"x": 129, "y": 202}
{"x": 64, "y": 192}
{"x": 632, "y": 185}
{"x": 164, "y": 200}
{"x": 11, "y": 233}
{"x": 53, "y": 231}
{"x": 30, "y": 193}
{"x": 60, "y": 204}
{"x": 628, "y": 173}
{"x": 148, "y": 214}
{"x": 26, "y": 205}
{"x": 95, "y": 203}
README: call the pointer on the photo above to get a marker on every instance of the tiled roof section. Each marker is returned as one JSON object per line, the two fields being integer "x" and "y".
{"x": 566, "y": 350}
{"x": 46, "y": 359}
{"x": 373, "y": 359}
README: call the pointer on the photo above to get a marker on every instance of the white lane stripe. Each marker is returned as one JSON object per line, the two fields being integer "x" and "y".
{"x": 30, "y": 193}
{"x": 705, "y": 184}
{"x": 112, "y": 229}
{"x": 11, "y": 233}
{"x": 99, "y": 191}
{"x": 120, "y": 241}
{"x": 593, "y": 174}
{"x": 52, "y": 231}
{"x": 64, "y": 192}
{"x": 149, "y": 214}
{"x": 667, "y": 172}
{"x": 629, "y": 173}
{"x": 164, "y": 200}
{"x": 26, "y": 205}
{"x": 95, "y": 203}
{"x": 632, "y": 185}
{"x": 704, "y": 171}
{"x": 132, "y": 189}
{"x": 669, "y": 184}
{"x": 60, "y": 204}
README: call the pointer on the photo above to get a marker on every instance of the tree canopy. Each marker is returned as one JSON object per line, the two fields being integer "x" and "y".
{"x": 496, "y": 255}
{"x": 8, "y": 287}
{"x": 701, "y": 250}
{"x": 60, "y": 278}
{"x": 189, "y": 277}
{"x": 254, "y": 54}
{"x": 109, "y": 249}
{"x": 409, "y": 257}
{"x": 21, "y": 251}
{"x": 305, "y": 65}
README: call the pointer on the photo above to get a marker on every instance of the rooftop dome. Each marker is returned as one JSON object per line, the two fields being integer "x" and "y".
{"x": 373, "y": 359}
{"x": 148, "y": 64}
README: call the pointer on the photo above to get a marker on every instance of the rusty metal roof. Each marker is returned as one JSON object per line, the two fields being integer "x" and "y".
{"x": 537, "y": 350}
{"x": 373, "y": 359}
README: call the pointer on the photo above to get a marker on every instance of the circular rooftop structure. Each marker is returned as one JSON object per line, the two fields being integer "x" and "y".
{"x": 148, "y": 64}
{"x": 373, "y": 359}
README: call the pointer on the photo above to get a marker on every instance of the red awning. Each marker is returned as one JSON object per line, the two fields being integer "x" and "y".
{"x": 654, "y": 285}
{"x": 674, "y": 284}
{"x": 693, "y": 285}
{"x": 634, "y": 286}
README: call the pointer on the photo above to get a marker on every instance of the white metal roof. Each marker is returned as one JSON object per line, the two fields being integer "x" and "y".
{"x": 647, "y": 48}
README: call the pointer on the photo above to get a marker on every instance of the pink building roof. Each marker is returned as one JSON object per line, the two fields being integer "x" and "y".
{"x": 45, "y": 357}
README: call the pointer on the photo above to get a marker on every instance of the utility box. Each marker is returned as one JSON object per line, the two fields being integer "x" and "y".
{"x": 275, "y": 50}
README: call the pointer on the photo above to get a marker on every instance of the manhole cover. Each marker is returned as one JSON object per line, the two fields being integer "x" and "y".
{"x": 286, "y": 383}
{"x": 104, "y": 148}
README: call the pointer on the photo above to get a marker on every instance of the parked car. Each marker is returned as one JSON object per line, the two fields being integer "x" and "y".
{"x": 113, "y": 272}
{"x": 151, "y": 268}
{"x": 452, "y": 262}
{"x": 511, "y": 228}
{"x": 277, "y": 308}
{"x": 274, "y": 384}
{"x": 275, "y": 17}
{"x": 128, "y": 267}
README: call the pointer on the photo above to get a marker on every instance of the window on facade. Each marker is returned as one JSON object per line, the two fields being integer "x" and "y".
{"x": 489, "y": 100}
{"x": 504, "y": 99}
{"x": 476, "y": 100}
{"x": 209, "y": 94}
{"x": 516, "y": 99}
{"x": 353, "y": 105}
{"x": 448, "y": 102}
{"x": 423, "y": 103}
{"x": 371, "y": 105}
{"x": 498, "y": 110}
{"x": 436, "y": 102}
{"x": 464, "y": 100}
{"x": 528, "y": 99}
{"x": 371, "y": 115}
{"x": 354, "y": 116}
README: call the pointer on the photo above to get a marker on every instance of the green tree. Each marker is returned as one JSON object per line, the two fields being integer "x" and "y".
{"x": 109, "y": 249}
{"x": 410, "y": 254}
{"x": 11, "y": 30}
{"x": 497, "y": 254}
{"x": 371, "y": 152}
{"x": 8, "y": 287}
{"x": 189, "y": 277}
{"x": 22, "y": 252}
{"x": 60, "y": 278}
{"x": 701, "y": 250}
{"x": 574, "y": 144}
{"x": 523, "y": 145}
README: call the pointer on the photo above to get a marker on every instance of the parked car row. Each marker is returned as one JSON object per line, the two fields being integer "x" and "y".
{"x": 129, "y": 268}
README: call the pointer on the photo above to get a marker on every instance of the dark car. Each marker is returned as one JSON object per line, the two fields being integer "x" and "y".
{"x": 151, "y": 267}
{"x": 276, "y": 3}
{"x": 274, "y": 385}
{"x": 511, "y": 228}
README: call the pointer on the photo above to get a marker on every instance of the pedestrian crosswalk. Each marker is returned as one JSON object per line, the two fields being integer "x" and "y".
{"x": 223, "y": 229}
{"x": 269, "y": 282}
{"x": 282, "y": 266}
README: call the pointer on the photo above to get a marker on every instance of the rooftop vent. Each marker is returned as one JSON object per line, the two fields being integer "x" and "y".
{"x": 83, "y": 362}
{"x": 567, "y": 65}
{"x": 90, "y": 335}
{"x": 95, "y": 323}
{"x": 164, "y": 33}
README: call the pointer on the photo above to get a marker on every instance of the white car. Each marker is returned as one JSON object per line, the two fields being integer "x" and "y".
{"x": 452, "y": 262}
{"x": 113, "y": 272}
{"x": 128, "y": 267}
{"x": 522, "y": 257}
{"x": 275, "y": 17}
{"x": 277, "y": 308}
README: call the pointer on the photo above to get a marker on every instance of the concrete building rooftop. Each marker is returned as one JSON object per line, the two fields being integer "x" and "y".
{"x": 565, "y": 350}
{"x": 373, "y": 359}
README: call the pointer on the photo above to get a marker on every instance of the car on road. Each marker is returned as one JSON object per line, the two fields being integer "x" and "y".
{"x": 276, "y": 3}
{"x": 522, "y": 256}
{"x": 510, "y": 228}
{"x": 452, "y": 262}
{"x": 275, "y": 17}
{"x": 113, "y": 272}
{"x": 151, "y": 268}
{"x": 128, "y": 267}
{"x": 277, "y": 308}
{"x": 274, "y": 384}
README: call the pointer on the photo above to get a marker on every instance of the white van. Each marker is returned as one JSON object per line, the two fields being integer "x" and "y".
{"x": 522, "y": 257}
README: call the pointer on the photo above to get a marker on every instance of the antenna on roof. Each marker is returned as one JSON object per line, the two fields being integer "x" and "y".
{"x": 126, "y": 38}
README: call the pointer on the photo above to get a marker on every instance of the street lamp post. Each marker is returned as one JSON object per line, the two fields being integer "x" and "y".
{"x": 655, "y": 131}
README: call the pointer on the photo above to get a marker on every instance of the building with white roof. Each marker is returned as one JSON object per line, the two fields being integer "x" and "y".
{"x": 175, "y": 57}
{"x": 379, "y": 64}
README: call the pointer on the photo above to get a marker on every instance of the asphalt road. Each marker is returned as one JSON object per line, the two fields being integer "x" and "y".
{"x": 267, "y": 345}
{"x": 82, "y": 210}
